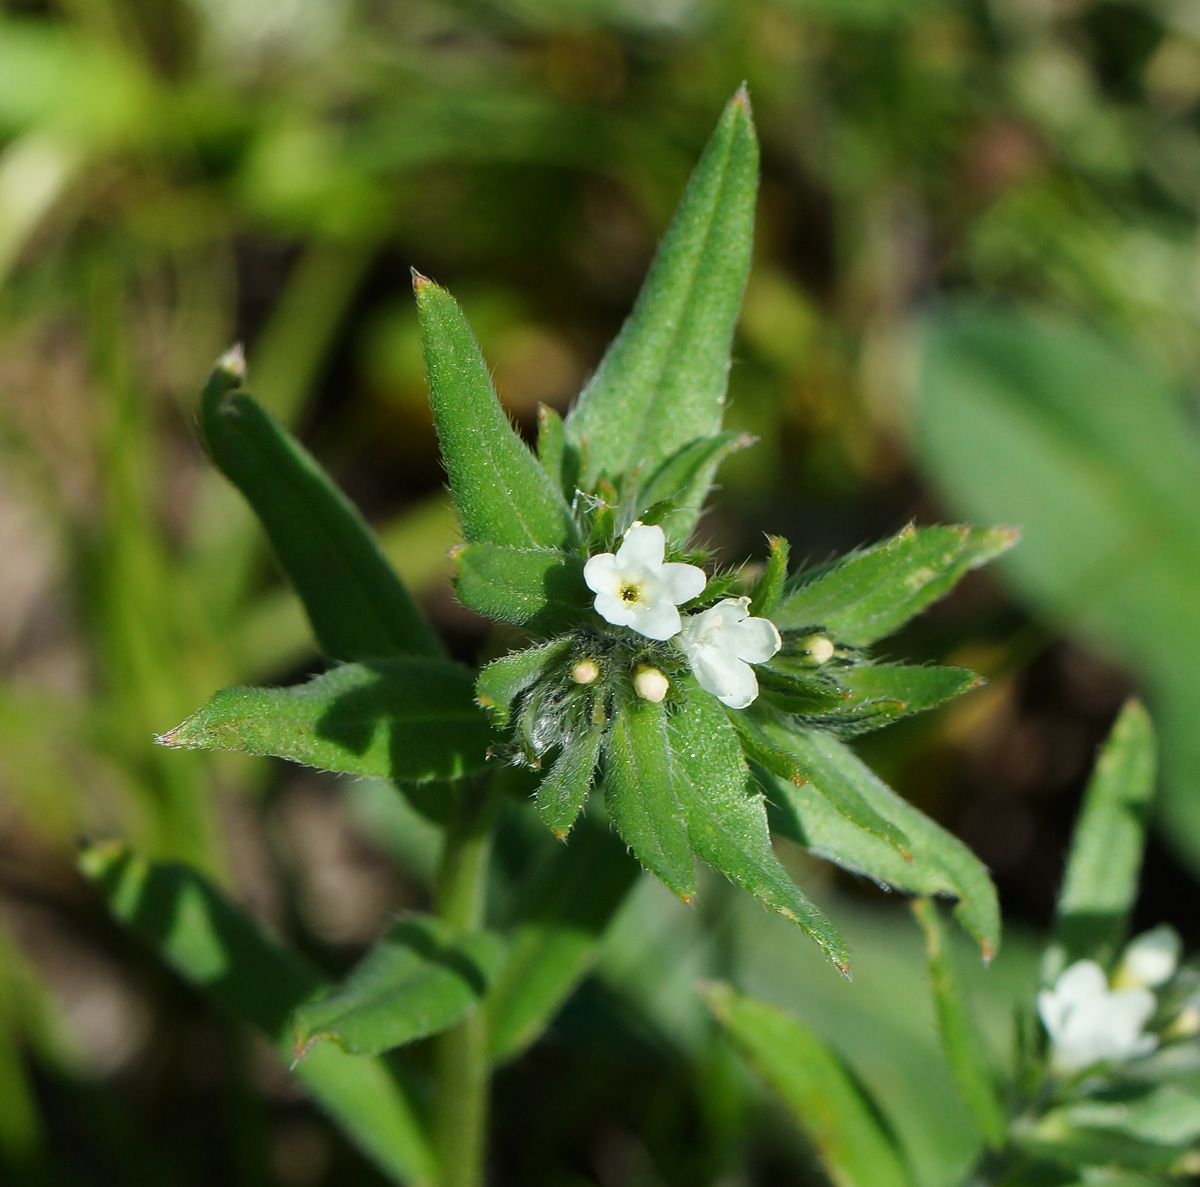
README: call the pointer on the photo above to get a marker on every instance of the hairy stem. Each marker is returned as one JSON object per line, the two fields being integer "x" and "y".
{"x": 462, "y": 1072}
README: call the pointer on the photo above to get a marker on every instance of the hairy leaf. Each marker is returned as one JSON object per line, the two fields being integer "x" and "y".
{"x": 561, "y": 794}
{"x": 504, "y": 679}
{"x": 541, "y": 589}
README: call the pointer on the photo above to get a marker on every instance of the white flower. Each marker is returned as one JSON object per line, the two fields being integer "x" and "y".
{"x": 1149, "y": 960}
{"x": 634, "y": 588}
{"x": 1088, "y": 1022}
{"x": 722, "y": 643}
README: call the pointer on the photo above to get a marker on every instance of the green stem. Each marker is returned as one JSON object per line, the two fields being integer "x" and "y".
{"x": 460, "y": 1122}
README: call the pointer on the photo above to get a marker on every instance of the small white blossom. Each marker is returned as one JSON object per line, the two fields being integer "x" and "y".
{"x": 1149, "y": 960}
{"x": 650, "y": 683}
{"x": 635, "y": 589}
{"x": 1089, "y": 1022}
{"x": 722, "y": 643}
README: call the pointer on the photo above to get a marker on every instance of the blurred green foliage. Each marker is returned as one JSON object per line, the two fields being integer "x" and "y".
{"x": 176, "y": 174}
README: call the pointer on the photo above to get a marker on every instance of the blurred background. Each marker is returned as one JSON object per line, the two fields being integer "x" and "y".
{"x": 974, "y": 297}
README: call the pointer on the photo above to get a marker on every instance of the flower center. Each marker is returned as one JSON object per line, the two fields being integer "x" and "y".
{"x": 631, "y": 592}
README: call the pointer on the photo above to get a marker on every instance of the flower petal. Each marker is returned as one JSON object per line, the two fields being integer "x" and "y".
{"x": 658, "y": 620}
{"x": 602, "y": 573}
{"x": 682, "y": 583}
{"x": 644, "y": 546}
{"x": 613, "y": 610}
{"x": 756, "y": 640}
{"x": 732, "y": 682}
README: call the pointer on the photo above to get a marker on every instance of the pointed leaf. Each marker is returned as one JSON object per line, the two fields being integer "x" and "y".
{"x": 407, "y": 719}
{"x": 504, "y": 679}
{"x": 358, "y": 607}
{"x": 681, "y": 484}
{"x": 726, "y": 819}
{"x": 215, "y": 947}
{"x": 639, "y": 790}
{"x": 770, "y": 585}
{"x": 884, "y": 693}
{"x": 501, "y": 492}
{"x": 1101, "y": 881}
{"x": 541, "y": 589}
{"x": 940, "y": 864}
{"x": 561, "y": 914}
{"x": 419, "y": 979}
{"x": 561, "y": 794}
{"x": 964, "y": 1050}
{"x": 824, "y": 1099}
{"x": 866, "y": 595}
{"x": 662, "y": 383}
{"x": 558, "y": 457}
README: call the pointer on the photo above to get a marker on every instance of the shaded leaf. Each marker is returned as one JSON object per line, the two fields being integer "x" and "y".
{"x": 418, "y": 979}
{"x": 561, "y": 794}
{"x": 501, "y": 492}
{"x": 1101, "y": 882}
{"x": 662, "y": 383}
{"x": 504, "y": 679}
{"x": 640, "y": 793}
{"x": 358, "y": 607}
{"x": 407, "y": 719}
{"x": 560, "y": 916}
{"x": 964, "y": 1050}
{"x": 940, "y": 864}
{"x": 883, "y": 693}
{"x": 769, "y": 589}
{"x": 215, "y": 947}
{"x": 726, "y": 818}
{"x": 559, "y": 459}
{"x": 823, "y": 1098}
{"x": 863, "y": 596}
{"x": 538, "y": 588}
{"x": 677, "y": 489}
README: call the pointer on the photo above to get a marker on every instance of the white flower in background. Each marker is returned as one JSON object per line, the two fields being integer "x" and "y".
{"x": 1089, "y": 1022}
{"x": 1149, "y": 960}
{"x": 722, "y": 643}
{"x": 635, "y": 589}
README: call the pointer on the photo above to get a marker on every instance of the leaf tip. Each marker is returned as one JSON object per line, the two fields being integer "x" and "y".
{"x": 742, "y": 99}
{"x": 986, "y": 951}
{"x": 233, "y": 364}
{"x": 420, "y": 282}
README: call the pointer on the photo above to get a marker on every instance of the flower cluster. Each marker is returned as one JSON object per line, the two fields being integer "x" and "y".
{"x": 635, "y": 587}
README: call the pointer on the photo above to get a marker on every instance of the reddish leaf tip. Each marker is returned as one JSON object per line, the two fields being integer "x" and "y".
{"x": 419, "y": 281}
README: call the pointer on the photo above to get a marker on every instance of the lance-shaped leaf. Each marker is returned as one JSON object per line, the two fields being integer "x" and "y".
{"x": 679, "y": 486}
{"x": 501, "y": 492}
{"x": 866, "y": 595}
{"x": 559, "y": 458}
{"x": 358, "y": 607}
{"x": 964, "y": 1050}
{"x": 561, "y": 794}
{"x": 640, "y": 793}
{"x": 662, "y": 383}
{"x": 215, "y": 947}
{"x": 726, "y": 818}
{"x": 769, "y": 588}
{"x": 560, "y": 915}
{"x": 419, "y": 979}
{"x": 413, "y": 720}
{"x": 826, "y": 1101}
{"x": 940, "y": 864}
{"x": 538, "y": 588}
{"x": 1101, "y": 882}
{"x": 504, "y": 679}
{"x": 883, "y": 693}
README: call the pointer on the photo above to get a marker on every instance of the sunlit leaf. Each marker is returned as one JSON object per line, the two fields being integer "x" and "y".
{"x": 824, "y": 1099}
{"x": 770, "y": 585}
{"x": 538, "y": 588}
{"x": 407, "y": 719}
{"x": 561, "y": 794}
{"x": 504, "y": 679}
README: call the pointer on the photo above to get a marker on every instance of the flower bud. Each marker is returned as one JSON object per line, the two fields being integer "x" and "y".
{"x": 819, "y": 648}
{"x": 650, "y": 683}
{"x": 585, "y": 671}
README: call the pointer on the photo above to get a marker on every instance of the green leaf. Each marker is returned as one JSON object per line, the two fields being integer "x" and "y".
{"x": 407, "y": 719}
{"x": 640, "y": 793}
{"x": 559, "y": 459}
{"x": 541, "y": 589}
{"x": 1032, "y": 418}
{"x": 842, "y": 795}
{"x": 561, "y": 794}
{"x": 682, "y": 483}
{"x": 964, "y": 1051}
{"x": 358, "y": 607}
{"x": 726, "y": 818}
{"x": 940, "y": 864}
{"x": 770, "y": 585}
{"x": 662, "y": 383}
{"x": 501, "y": 492}
{"x": 1101, "y": 882}
{"x": 824, "y": 1099}
{"x": 883, "y": 693}
{"x": 866, "y": 595}
{"x": 215, "y": 947}
{"x": 419, "y": 979}
{"x": 562, "y": 912}
{"x": 504, "y": 679}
